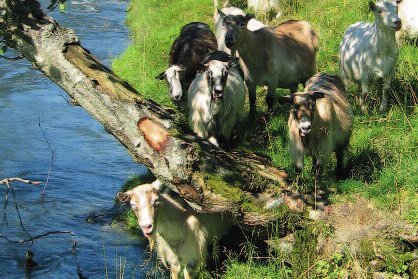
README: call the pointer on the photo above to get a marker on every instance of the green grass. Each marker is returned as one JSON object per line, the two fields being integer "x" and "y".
{"x": 381, "y": 163}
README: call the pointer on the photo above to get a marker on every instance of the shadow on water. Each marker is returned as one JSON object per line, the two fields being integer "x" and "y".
{"x": 43, "y": 135}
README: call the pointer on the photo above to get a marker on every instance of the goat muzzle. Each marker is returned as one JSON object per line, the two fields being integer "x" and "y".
{"x": 147, "y": 230}
{"x": 217, "y": 95}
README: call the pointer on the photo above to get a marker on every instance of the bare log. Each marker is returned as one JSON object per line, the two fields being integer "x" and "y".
{"x": 151, "y": 133}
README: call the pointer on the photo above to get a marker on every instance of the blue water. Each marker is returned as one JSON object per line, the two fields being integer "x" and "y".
{"x": 38, "y": 126}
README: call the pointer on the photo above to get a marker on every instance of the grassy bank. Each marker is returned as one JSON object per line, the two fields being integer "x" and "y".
{"x": 381, "y": 164}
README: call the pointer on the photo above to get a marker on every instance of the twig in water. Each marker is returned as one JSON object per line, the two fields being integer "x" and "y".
{"x": 29, "y": 255}
{"x": 12, "y": 58}
{"x": 52, "y": 159}
{"x": 7, "y": 180}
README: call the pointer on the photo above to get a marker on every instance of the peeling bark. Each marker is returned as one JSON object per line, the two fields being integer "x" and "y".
{"x": 150, "y": 132}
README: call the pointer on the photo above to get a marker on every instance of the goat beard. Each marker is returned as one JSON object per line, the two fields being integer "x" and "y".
{"x": 151, "y": 239}
{"x": 305, "y": 139}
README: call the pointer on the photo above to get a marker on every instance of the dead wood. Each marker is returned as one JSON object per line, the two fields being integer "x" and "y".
{"x": 150, "y": 132}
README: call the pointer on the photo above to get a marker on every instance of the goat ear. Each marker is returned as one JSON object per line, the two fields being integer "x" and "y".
{"x": 124, "y": 197}
{"x": 248, "y": 17}
{"x": 317, "y": 95}
{"x": 372, "y": 6}
{"x": 285, "y": 100}
{"x": 222, "y": 14}
{"x": 157, "y": 185}
{"x": 161, "y": 76}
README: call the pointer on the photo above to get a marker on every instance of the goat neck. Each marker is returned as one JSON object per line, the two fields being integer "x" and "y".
{"x": 385, "y": 40}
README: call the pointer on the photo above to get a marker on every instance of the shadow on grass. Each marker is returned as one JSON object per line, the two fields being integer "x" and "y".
{"x": 364, "y": 165}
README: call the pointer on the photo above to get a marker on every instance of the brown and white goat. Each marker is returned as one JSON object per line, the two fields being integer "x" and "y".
{"x": 278, "y": 57}
{"x": 320, "y": 122}
{"x": 180, "y": 233}
{"x": 196, "y": 39}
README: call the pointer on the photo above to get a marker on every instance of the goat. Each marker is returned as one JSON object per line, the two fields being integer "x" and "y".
{"x": 369, "y": 50}
{"x": 194, "y": 42}
{"x": 320, "y": 122}
{"x": 181, "y": 235}
{"x": 408, "y": 15}
{"x": 266, "y": 7}
{"x": 220, "y": 30}
{"x": 281, "y": 56}
{"x": 216, "y": 97}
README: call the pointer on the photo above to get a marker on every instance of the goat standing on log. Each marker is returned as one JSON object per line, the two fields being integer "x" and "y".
{"x": 281, "y": 56}
{"x": 181, "y": 234}
{"x": 216, "y": 97}
{"x": 320, "y": 122}
{"x": 194, "y": 42}
{"x": 369, "y": 50}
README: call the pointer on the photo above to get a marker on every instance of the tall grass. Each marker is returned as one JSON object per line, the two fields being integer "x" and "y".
{"x": 381, "y": 164}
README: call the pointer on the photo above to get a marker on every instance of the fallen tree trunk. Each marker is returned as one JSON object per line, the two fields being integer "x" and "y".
{"x": 151, "y": 133}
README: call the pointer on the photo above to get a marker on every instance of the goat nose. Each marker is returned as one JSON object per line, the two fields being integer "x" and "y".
{"x": 229, "y": 42}
{"x": 397, "y": 23}
{"x": 147, "y": 229}
{"x": 217, "y": 94}
{"x": 305, "y": 130}
{"x": 176, "y": 98}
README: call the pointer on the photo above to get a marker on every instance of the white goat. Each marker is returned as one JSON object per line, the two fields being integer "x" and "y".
{"x": 216, "y": 97}
{"x": 181, "y": 234}
{"x": 320, "y": 122}
{"x": 281, "y": 56}
{"x": 266, "y": 7}
{"x": 369, "y": 50}
{"x": 408, "y": 10}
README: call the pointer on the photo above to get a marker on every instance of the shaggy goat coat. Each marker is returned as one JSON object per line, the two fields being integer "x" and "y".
{"x": 209, "y": 117}
{"x": 196, "y": 40}
{"x": 319, "y": 126}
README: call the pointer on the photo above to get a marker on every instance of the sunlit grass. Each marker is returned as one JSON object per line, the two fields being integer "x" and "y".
{"x": 381, "y": 164}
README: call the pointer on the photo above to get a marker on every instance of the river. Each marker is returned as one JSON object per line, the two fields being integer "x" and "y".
{"x": 42, "y": 134}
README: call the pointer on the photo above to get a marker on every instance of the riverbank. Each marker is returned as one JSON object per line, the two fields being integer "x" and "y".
{"x": 381, "y": 165}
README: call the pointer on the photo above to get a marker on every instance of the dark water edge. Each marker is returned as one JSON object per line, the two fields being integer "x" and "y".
{"x": 38, "y": 126}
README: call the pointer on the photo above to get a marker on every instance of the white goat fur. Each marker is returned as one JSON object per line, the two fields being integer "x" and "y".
{"x": 209, "y": 118}
{"x": 330, "y": 125}
{"x": 281, "y": 56}
{"x": 181, "y": 234}
{"x": 408, "y": 12}
{"x": 369, "y": 50}
{"x": 265, "y": 7}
